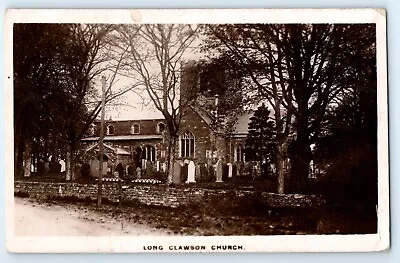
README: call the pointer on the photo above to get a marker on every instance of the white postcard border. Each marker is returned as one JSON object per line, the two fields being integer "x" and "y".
{"x": 309, "y": 243}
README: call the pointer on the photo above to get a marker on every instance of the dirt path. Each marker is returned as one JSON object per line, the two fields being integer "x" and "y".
{"x": 42, "y": 219}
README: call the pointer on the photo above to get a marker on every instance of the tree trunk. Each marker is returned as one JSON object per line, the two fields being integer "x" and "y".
{"x": 171, "y": 158}
{"x": 27, "y": 160}
{"x": 280, "y": 160}
{"x": 19, "y": 158}
{"x": 302, "y": 159}
{"x": 69, "y": 169}
{"x": 19, "y": 145}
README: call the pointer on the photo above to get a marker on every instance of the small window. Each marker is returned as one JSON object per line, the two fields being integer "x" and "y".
{"x": 110, "y": 130}
{"x": 135, "y": 129}
{"x": 187, "y": 145}
{"x": 160, "y": 127}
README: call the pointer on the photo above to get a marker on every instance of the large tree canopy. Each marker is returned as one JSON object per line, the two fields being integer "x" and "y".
{"x": 56, "y": 72}
{"x": 300, "y": 69}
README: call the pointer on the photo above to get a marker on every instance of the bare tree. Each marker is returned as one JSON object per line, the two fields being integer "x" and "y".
{"x": 260, "y": 63}
{"x": 94, "y": 57}
{"x": 156, "y": 52}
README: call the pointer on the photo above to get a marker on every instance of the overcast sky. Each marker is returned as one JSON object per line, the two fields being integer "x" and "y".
{"x": 131, "y": 105}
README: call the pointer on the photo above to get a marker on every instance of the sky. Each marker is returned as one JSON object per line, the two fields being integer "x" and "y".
{"x": 136, "y": 104}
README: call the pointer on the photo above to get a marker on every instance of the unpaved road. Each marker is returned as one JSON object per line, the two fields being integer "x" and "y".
{"x": 42, "y": 219}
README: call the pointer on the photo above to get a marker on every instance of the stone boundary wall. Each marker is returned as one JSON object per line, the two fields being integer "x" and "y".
{"x": 160, "y": 195}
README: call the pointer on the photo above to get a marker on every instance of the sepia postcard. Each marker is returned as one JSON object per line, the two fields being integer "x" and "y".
{"x": 208, "y": 130}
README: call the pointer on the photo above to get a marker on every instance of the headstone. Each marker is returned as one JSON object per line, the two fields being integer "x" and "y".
{"x": 46, "y": 167}
{"x": 144, "y": 164}
{"x": 138, "y": 173}
{"x": 62, "y": 163}
{"x": 197, "y": 174}
{"x": 211, "y": 173}
{"x": 164, "y": 167}
{"x": 218, "y": 176}
{"x": 224, "y": 172}
{"x": 176, "y": 179}
{"x": 184, "y": 172}
{"x": 204, "y": 172}
{"x": 158, "y": 166}
{"x": 234, "y": 170}
{"x": 230, "y": 170}
{"x": 149, "y": 170}
{"x": 191, "y": 172}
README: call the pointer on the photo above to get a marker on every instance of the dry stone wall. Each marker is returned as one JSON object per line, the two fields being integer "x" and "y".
{"x": 161, "y": 195}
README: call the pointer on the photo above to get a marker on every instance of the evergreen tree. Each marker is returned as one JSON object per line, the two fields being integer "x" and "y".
{"x": 260, "y": 143}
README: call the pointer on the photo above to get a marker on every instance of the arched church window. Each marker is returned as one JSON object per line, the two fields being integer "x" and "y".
{"x": 187, "y": 144}
{"x": 239, "y": 153}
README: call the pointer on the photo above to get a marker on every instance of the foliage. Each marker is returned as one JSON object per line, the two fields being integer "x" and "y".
{"x": 37, "y": 52}
{"x": 301, "y": 70}
{"x": 55, "y": 74}
{"x": 261, "y": 143}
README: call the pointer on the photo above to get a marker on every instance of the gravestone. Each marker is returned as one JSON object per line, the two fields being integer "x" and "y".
{"x": 158, "y": 166}
{"x": 218, "y": 177}
{"x": 230, "y": 170}
{"x": 211, "y": 173}
{"x": 176, "y": 179}
{"x": 224, "y": 172}
{"x": 204, "y": 173}
{"x": 191, "y": 172}
{"x": 144, "y": 164}
{"x": 46, "y": 167}
{"x": 197, "y": 174}
{"x": 234, "y": 170}
{"x": 62, "y": 163}
{"x": 184, "y": 172}
{"x": 138, "y": 173}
